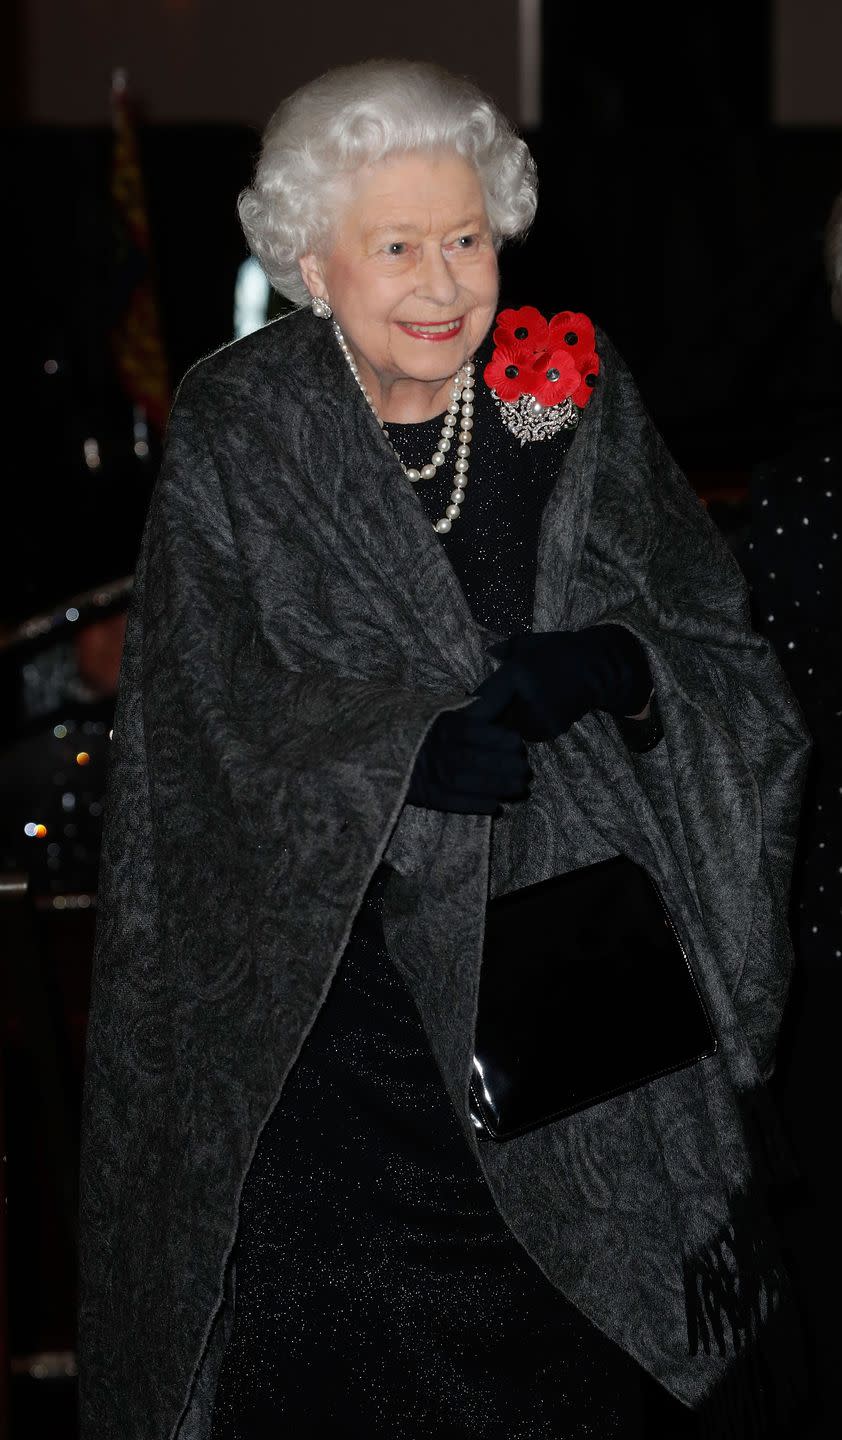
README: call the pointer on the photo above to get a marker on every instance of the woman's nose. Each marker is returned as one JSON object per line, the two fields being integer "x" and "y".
{"x": 434, "y": 280}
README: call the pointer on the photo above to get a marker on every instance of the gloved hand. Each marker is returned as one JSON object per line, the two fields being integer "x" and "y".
{"x": 557, "y": 676}
{"x": 470, "y": 761}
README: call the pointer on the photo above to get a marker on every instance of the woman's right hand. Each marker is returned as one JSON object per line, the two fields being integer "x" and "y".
{"x": 470, "y": 761}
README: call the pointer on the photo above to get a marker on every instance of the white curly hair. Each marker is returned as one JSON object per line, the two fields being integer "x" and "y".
{"x": 360, "y": 115}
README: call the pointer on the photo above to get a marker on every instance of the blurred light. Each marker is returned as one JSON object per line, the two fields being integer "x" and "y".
{"x": 141, "y": 433}
{"x": 95, "y": 808}
{"x": 251, "y": 298}
{"x": 83, "y": 758}
{"x": 68, "y": 801}
{"x": 53, "y": 848}
{"x": 59, "y": 731}
{"x": 30, "y": 829}
{"x": 50, "y": 367}
{"x": 91, "y": 449}
{"x": 72, "y": 613}
{"x": 72, "y": 902}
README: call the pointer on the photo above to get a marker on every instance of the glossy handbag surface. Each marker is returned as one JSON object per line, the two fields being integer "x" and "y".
{"x": 585, "y": 992}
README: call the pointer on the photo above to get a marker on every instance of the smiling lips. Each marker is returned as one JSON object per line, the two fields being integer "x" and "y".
{"x": 445, "y": 330}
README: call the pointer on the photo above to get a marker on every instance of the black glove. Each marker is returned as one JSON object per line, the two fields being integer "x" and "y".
{"x": 557, "y": 676}
{"x": 470, "y": 762}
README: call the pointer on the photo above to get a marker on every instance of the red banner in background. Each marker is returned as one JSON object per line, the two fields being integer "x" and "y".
{"x": 138, "y": 345}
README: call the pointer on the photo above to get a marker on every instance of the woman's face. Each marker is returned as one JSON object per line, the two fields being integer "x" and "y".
{"x": 411, "y": 278}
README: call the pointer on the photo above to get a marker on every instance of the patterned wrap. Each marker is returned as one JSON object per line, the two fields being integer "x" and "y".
{"x": 296, "y": 628}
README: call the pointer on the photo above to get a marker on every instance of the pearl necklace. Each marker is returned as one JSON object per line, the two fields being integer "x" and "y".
{"x": 461, "y": 404}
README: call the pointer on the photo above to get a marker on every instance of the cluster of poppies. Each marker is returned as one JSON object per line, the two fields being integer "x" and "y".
{"x": 550, "y": 360}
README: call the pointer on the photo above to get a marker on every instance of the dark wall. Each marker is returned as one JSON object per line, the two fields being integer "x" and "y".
{"x": 70, "y": 527}
{"x": 700, "y": 253}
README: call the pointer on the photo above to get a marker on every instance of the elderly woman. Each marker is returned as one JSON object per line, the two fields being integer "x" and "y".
{"x": 424, "y": 615}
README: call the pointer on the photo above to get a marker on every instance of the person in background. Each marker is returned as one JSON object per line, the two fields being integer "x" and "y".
{"x": 791, "y": 553}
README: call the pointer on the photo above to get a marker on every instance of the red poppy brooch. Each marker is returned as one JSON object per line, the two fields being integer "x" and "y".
{"x": 542, "y": 372}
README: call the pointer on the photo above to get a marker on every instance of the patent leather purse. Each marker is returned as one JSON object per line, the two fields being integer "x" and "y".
{"x": 586, "y": 992}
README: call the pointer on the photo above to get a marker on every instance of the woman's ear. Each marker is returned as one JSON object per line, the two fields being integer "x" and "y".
{"x": 311, "y": 274}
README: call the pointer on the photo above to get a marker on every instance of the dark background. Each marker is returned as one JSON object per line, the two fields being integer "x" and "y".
{"x": 687, "y": 166}
{"x": 672, "y": 210}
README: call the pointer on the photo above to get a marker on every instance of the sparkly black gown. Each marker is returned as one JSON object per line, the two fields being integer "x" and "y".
{"x": 792, "y": 556}
{"x": 378, "y": 1291}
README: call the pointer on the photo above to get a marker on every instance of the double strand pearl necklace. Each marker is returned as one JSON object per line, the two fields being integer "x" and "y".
{"x": 461, "y": 405}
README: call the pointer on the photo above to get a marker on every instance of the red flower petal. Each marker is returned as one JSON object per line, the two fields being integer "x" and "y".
{"x": 572, "y": 323}
{"x": 508, "y": 387}
{"x": 587, "y": 362}
{"x": 553, "y": 376}
{"x": 526, "y": 318}
{"x": 584, "y": 391}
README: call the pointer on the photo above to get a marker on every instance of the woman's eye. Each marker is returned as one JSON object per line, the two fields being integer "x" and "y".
{"x": 466, "y": 242}
{"x": 397, "y": 247}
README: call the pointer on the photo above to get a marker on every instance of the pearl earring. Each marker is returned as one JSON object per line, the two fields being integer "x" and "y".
{"x": 320, "y": 308}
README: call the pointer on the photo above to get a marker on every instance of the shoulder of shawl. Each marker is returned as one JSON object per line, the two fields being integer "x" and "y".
{"x": 270, "y": 359}
{"x": 623, "y": 418}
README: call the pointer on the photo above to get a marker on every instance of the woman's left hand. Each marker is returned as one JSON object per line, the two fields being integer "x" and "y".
{"x": 559, "y": 675}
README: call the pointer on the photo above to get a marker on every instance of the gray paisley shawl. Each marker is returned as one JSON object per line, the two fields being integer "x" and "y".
{"x": 296, "y": 628}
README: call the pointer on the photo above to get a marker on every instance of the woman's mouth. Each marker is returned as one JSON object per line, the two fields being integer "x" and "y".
{"x": 442, "y": 330}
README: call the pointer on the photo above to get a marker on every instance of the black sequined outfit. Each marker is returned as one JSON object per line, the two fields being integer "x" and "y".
{"x": 378, "y": 1291}
{"x": 792, "y": 557}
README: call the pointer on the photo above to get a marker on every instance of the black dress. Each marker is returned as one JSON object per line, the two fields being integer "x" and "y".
{"x": 792, "y": 556}
{"x": 378, "y": 1291}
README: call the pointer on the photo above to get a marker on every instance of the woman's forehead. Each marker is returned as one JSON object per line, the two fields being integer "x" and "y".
{"x": 415, "y": 191}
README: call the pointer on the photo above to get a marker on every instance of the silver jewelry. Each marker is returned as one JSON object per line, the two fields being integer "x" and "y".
{"x": 462, "y": 405}
{"x": 528, "y": 419}
{"x": 320, "y": 308}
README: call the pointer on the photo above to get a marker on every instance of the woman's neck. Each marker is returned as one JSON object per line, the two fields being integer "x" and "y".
{"x": 410, "y": 402}
{"x": 401, "y": 399}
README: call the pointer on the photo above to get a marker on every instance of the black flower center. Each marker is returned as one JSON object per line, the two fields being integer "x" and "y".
{"x": 571, "y": 338}
{"x": 552, "y": 374}
{"x": 521, "y": 333}
{"x": 590, "y": 380}
{"x": 512, "y": 372}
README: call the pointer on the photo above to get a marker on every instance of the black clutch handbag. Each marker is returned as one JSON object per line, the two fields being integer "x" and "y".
{"x": 585, "y": 992}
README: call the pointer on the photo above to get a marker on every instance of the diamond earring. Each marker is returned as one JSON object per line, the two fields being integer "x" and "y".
{"x": 320, "y": 308}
